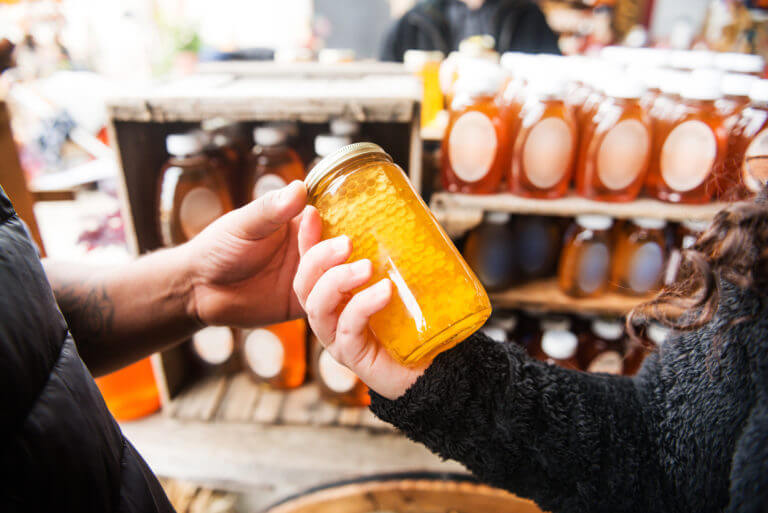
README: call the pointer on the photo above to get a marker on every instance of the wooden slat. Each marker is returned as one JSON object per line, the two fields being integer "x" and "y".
{"x": 546, "y": 295}
{"x": 299, "y": 404}
{"x": 202, "y": 399}
{"x": 268, "y": 408}
{"x": 444, "y": 203}
{"x": 240, "y": 400}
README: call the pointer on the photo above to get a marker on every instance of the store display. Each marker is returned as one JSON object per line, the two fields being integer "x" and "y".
{"x": 559, "y": 347}
{"x": 192, "y": 191}
{"x": 585, "y": 260}
{"x": 544, "y": 150}
{"x": 130, "y": 392}
{"x": 639, "y": 256}
{"x": 615, "y": 145}
{"x": 491, "y": 252}
{"x": 216, "y": 349}
{"x": 272, "y": 164}
{"x": 744, "y": 169}
{"x": 225, "y": 144}
{"x": 277, "y": 354}
{"x": 346, "y": 128}
{"x": 692, "y": 150}
{"x": 437, "y": 301}
{"x": 602, "y": 347}
{"x": 537, "y": 246}
{"x": 426, "y": 65}
{"x": 325, "y": 144}
{"x": 475, "y": 140}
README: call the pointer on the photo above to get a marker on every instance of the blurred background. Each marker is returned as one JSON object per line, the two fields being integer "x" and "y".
{"x": 98, "y": 100}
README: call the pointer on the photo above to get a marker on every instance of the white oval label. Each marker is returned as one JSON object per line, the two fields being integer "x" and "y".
{"x": 267, "y": 183}
{"x": 472, "y": 146}
{"x": 646, "y": 267}
{"x": 335, "y": 376}
{"x": 593, "y": 267}
{"x": 199, "y": 208}
{"x": 548, "y": 152}
{"x": 264, "y": 353}
{"x": 623, "y": 154}
{"x": 755, "y": 170}
{"x": 688, "y": 155}
{"x": 608, "y": 362}
{"x": 213, "y": 345}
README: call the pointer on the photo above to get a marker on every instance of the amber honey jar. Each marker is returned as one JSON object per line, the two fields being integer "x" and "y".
{"x": 437, "y": 300}
{"x": 192, "y": 191}
{"x": 602, "y": 348}
{"x": 215, "y": 348}
{"x": 272, "y": 164}
{"x": 277, "y": 354}
{"x": 639, "y": 257}
{"x": 338, "y": 384}
{"x": 559, "y": 347}
{"x": 585, "y": 260}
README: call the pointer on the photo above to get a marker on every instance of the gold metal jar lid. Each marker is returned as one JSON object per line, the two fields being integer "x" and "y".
{"x": 339, "y": 157}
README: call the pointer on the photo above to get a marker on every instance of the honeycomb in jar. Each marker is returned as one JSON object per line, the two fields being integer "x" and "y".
{"x": 437, "y": 300}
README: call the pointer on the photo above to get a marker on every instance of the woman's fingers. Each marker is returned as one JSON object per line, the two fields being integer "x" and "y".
{"x": 316, "y": 261}
{"x": 351, "y": 330}
{"x": 330, "y": 290}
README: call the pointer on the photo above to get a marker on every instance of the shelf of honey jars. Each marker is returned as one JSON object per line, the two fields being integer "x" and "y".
{"x": 290, "y": 112}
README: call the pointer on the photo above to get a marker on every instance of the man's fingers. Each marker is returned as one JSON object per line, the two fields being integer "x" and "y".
{"x": 353, "y": 322}
{"x": 310, "y": 229}
{"x": 328, "y": 293}
{"x": 316, "y": 261}
{"x": 267, "y": 214}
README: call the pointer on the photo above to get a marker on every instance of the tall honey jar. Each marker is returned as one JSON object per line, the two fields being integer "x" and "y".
{"x": 437, "y": 300}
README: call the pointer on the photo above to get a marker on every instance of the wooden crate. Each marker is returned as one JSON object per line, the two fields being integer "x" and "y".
{"x": 384, "y": 99}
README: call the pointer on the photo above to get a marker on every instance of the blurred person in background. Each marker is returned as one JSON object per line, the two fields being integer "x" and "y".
{"x": 516, "y": 26}
{"x": 62, "y": 450}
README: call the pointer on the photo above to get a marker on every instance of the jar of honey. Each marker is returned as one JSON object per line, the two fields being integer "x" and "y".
{"x": 475, "y": 139}
{"x": 639, "y": 257}
{"x": 544, "y": 150}
{"x": 272, "y": 164}
{"x": 437, "y": 300}
{"x": 559, "y": 347}
{"x": 603, "y": 348}
{"x": 338, "y": 384}
{"x": 325, "y": 144}
{"x": 692, "y": 148}
{"x": 226, "y": 146}
{"x": 277, "y": 354}
{"x": 735, "y": 88}
{"x": 744, "y": 171}
{"x": 131, "y": 392}
{"x": 490, "y": 251}
{"x": 192, "y": 191}
{"x": 538, "y": 241}
{"x": 585, "y": 260}
{"x": 736, "y": 62}
{"x": 425, "y": 65}
{"x": 614, "y": 158}
{"x": 215, "y": 349}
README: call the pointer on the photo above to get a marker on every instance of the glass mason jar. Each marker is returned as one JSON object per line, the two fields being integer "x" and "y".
{"x": 437, "y": 300}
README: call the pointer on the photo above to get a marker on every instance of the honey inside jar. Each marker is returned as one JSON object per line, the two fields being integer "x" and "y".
{"x": 437, "y": 301}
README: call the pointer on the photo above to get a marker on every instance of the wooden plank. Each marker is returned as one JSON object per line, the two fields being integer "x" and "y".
{"x": 350, "y": 416}
{"x": 299, "y": 404}
{"x": 302, "y": 69}
{"x": 268, "y": 408}
{"x": 238, "y": 403}
{"x": 280, "y": 460}
{"x": 546, "y": 295}
{"x": 444, "y": 203}
{"x": 201, "y": 400}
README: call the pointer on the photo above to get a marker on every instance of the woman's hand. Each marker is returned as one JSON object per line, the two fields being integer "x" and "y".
{"x": 323, "y": 283}
{"x": 243, "y": 264}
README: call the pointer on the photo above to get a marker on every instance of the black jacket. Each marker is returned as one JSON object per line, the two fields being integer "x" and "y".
{"x": 516, "y": 25}
{"x": 61, "y": 449}
{"x": 688, "y": 434}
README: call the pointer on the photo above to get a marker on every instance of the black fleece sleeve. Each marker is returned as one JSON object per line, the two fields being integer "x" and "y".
{"x": 571, "y": 441}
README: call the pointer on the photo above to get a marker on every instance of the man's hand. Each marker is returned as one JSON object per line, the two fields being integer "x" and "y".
{"x": 322, "y": 284}
{"x": 243, "y": 264}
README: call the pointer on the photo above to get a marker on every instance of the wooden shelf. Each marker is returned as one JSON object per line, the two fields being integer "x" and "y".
{"x": 546, "y": 295}
{"x": 443, "y": 203}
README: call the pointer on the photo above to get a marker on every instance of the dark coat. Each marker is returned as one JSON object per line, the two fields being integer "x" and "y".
{"x": 688, "y": 434}
{"x": 516, "y": 25}
{"x": 62, "y": 451}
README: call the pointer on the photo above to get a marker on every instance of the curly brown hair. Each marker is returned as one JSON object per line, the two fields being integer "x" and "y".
{"x": 734, "y": 248}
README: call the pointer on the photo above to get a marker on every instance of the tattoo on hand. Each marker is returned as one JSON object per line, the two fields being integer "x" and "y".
{"x": 88, "y": 309}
